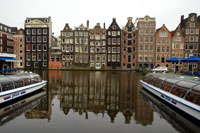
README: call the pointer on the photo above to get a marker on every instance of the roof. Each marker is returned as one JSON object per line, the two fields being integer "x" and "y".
{"x": 45, "y": 19}
{"x": 5, "y": 28}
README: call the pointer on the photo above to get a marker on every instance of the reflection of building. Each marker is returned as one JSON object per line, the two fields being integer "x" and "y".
{"x": 101, "y": 92}
{"x": 98, "y": 47}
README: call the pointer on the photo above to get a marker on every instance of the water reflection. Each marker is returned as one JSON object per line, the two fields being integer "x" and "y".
{"x": 100, "y": 93}
{"x": 18, "y": 107}
{"x": 173, "y": 117}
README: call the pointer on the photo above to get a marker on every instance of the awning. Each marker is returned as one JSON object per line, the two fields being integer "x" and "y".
{"x": 8, "y": 59}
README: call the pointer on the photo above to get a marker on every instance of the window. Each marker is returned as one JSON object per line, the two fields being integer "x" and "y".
{"x": 141, "y": 47}
{"x": 187, "y": 31}
{"x": 33, "y": 47}
{"x": 192, "y": 24}
{"x": 146, "y": 39}
{"x": 167, "y": 49}
{"x": 129, "y": 50}
{"x": 147, "y": 32}
{"x": 39, "y": 39}
{"x": 141, "y": 25}
{"x": 158, "y": 57}
{"x": 33, "y": 56}
{"x": 114, "y": 33}
{"x": 44, "y": 56}
{"x": 163, "y": 34}
{"x": 158, "y": 49}
{"x": 44, "y": 64}
{"x": 197, "y": 31}
{"x": 45, "y": 31}
{"x": 38, "y": 47}
{"x": 191, "y": 38}
{"x": 141, "y": 32}
{"x": 163, "y": 41}
{"x": 33, "y": 31}
{"x": 191, "y": 31}
{"x": 151, "y": 39}
{"x": 44, "y": 38}
{"x": 28, "y": 56}
{"x": 163, "y": 49}
{"x": 129, "y": 42}
{"x": 114, "y": 41}
{"x": 129, "y": 35}
{"x": 118, "y": 33}
{"x": 33, "y": 39}
{"x": 114, "y": 58}
{"x": 28, "y": 47}
{"x": 39, "y": 56}
{"x": 141, "y": 39}
{"x": 44, "y": 47}
{"x": 146, "y": 47}
{"x": 39, "y": 31}
{"x": 129, "y": 58}
{"x": 28, "y": 31}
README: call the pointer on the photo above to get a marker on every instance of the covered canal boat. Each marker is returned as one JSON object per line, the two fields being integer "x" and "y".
{"x": 181, "y": 92}
{"x": 14, "y": 86}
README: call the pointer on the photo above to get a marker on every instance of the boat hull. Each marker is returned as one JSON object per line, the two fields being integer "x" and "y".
{"x": 179, "y": 103}
{"x": 19, "y": 92}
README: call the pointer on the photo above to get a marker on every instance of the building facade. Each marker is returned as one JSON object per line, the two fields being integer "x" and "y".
{"x": 113, "y": 44}
{"x": 178, "y": 47}
{"x": 146, "y": 41}
{"x": 97, "y": 47}
{"x": 55, "y": 54}
{"x": 190, "y": 28}
{"x": 162, "y": 47}
{"x": 6, "y": 39}
{"x": 81, "y": 35}
{"x": 128, "y": 48}
{"x": 38, "y": 32}
{"x": 67, "y": 46}
{"x": 19, "y": 42}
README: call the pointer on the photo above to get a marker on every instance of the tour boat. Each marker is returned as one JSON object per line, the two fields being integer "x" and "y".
{"x": 182, "y": 92}
{"x": 15, "y": 86}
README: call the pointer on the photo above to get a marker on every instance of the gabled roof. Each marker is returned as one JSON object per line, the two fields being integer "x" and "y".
{"x": 44, "y": 20}
{"x": 67, "y": 27}
{"x": 162, "y": 28}
{"x": 114, "y": 23}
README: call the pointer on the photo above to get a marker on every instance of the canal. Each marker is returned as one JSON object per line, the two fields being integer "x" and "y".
{"x": 92, "y": 102}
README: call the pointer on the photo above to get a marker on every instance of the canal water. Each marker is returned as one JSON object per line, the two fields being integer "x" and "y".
{"x": 92, "y": 102}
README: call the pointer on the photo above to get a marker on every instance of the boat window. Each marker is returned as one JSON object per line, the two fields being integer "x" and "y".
{"x": 7, "y": 86}
{"x": 27, "y": 81}
{"x": 157, "y": 83}
{"x": 34, "y": 80}
{"x": 185, "y": 84}
{"x": 166, "y": 86}
{"x": 146, "y": 78}
{"x": 179, "y": 91}
{"x": 151, "y": 81}
{"x": 18, "y": 84}
{"x": 193, "y": 97}
{"x": 197, "y": 88}
{"x": 172, "y": 81}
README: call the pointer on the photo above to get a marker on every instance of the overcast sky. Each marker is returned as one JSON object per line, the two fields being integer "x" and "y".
{"x": 168, "y": 12}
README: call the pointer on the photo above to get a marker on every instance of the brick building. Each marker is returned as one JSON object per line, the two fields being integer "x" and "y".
{"x": 128, "y": 48}
{"x": 81, "y": 39}
{"x": 19, "y": 42}
{"x": 98, "y": 47}
{"x": 67, "y": 46}
{"x": 145, "y": 41}
{"x": 190, "y": 27}
{"x": 162, "y": 47}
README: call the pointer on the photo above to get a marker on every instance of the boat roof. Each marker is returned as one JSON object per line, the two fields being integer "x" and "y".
{"x": 168, "y": 76}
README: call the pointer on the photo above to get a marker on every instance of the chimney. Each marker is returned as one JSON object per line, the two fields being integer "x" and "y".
{"x": 114, "y": 19}
{"x": 182, "y": 18}
{"x": 104, "y": 25}
{"x": 87, "y": 24}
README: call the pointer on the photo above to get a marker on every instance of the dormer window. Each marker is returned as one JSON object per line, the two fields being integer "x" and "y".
{"x": 9, "y": 30}
{"x": 114, "y": 27}
{"x": 5, "y": 28}
{"x": 192, "y": 18}
{"x": 192, "y": 24}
